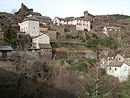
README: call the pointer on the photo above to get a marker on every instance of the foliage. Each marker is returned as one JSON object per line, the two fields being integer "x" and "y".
{"x": 120, "y": 16}
{"x": 62, "y": 62}
{"x": 124, "y": 89}
{"x": 10, "y": 35}
{"x": 71, "y": 37}
{"x": 108, "y": 42}
{"x": 39, "y": 70}
{"x": 92, "y": 41}
{"x": 93, "y": 61}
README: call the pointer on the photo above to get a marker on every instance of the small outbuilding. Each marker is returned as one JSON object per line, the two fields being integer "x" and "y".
{"x": 5, "y": 52}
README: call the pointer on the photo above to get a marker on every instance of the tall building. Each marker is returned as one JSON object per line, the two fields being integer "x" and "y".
{"x": 30, "y": 26}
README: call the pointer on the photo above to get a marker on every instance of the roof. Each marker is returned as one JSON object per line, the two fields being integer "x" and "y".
{"x": 82, "y": 18}
{"x": 45, "y": 46}
{"x": 39, "y": 35}
{"x": 116, "y": 64}
{"x": 43, "y": 17}
{"x": 112, "y": 27}
{"x": 31, "y": 18}
{"x": 7, "y": 48}
{"x": 66, "y": 19}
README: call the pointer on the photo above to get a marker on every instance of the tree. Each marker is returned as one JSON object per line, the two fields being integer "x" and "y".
{"x": 10, "y": 36}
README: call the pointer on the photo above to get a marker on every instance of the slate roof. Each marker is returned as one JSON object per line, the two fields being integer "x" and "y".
{"x": 116, "y": 64}
{"x": 66, "y": 19}
{"x": 31, "y": 18}
{"x": 45, "y": 46}
{"x": 81, "y": 18}
{"x": 113, "y": 27}
{"x": 7, "y": 48}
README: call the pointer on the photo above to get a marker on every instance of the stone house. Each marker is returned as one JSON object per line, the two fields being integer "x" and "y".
{"x": 62, "y": 21}
{"x": 30, "y": 26}
{"x": 81, "y": 23}
{"x": 116, "y": 33}
{"x": 41, "y": 44}
{"x": 120, "y": 70}
{"x": 43, "y": 28}
{"x": 5, "y": 52}
{"x": 117, "y": 67}
{"x": 119, "y": 58}
{"x": 40, "y": 39}
{"x": 44, "y": 22}
{"x": 42, "y": 19}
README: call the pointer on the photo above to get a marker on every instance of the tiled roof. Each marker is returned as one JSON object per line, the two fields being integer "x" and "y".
{"x": 81, "y": 18}
{"x": 66, "y": 19}
{"x": 8, "y": 48}
{"x": 45, "y": 46}
{"x": 31, "y": 18}
{"x": 116, "y": 64}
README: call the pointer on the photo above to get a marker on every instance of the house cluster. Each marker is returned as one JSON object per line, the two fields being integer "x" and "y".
{"x": 107, "y": 30}
{"x": 40, "y": 41}
{"x": 118, "y": 67}
{"x": 81, "y": 23}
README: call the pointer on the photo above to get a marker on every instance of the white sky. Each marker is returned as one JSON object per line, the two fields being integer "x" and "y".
{"x": 65, "y": 8}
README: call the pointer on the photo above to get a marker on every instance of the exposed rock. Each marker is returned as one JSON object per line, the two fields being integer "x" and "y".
{"x": 25, "y": 11}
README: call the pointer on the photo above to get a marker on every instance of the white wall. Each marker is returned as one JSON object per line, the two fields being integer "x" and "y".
{"x": 56, "y": 21}
{"x": 43, "y": 39}
{"x": 120, "y": 72}
{"x": 31, "y": 27}
{"x": 79, "y": 23}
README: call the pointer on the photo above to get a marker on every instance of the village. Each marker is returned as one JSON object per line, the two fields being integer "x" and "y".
{"x": 66, "y": 39}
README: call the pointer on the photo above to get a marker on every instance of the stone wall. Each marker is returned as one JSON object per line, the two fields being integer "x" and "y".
{"x": 52, "y": 35}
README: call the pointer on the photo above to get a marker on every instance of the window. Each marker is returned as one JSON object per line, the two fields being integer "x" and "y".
{"x": 115, "y": 69}
{"x": 110, "y": 68}
{"x": 125, "y": 69}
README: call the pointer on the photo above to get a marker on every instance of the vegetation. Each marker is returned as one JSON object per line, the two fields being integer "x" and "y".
{"x": 92, "y": 41}
{"x": 10, "y": 35}
{"x": 120, "y": 16}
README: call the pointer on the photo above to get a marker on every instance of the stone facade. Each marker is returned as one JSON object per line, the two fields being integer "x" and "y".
{"x": 52, "y": 35}
{"x": 5, "y": 52}
{"x": 81, "y": 23}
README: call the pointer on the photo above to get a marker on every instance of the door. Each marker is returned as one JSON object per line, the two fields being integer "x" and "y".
{"x": 4, "y": 54}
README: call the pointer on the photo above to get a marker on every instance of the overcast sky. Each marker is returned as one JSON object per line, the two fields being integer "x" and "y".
{"x": 65, "y": 8}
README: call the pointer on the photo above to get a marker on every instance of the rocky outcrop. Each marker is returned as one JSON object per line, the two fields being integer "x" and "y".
{"x": 24, "y": 11}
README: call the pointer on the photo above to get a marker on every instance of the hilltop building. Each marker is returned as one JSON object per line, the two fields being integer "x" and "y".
{"x": 81, "y": 23}
{"x": 110, "y": 30}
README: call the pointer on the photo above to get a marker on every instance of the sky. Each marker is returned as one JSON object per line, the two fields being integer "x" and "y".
{"x": 67, "y": 8}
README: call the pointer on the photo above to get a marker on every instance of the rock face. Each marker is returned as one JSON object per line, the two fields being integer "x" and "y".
{"x": 24, "y": 11}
